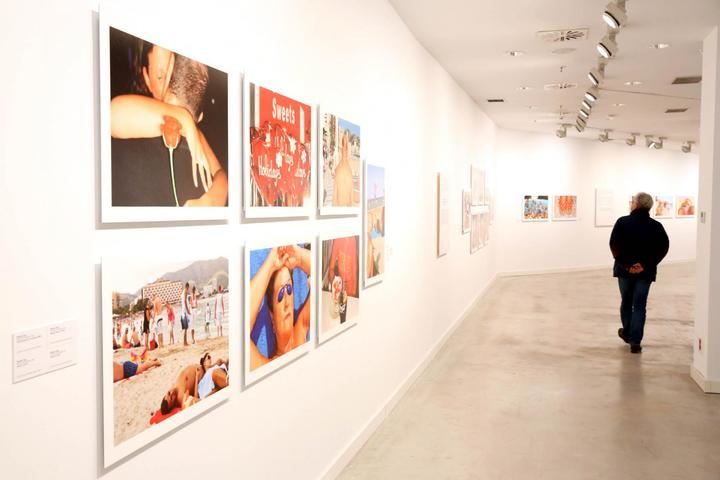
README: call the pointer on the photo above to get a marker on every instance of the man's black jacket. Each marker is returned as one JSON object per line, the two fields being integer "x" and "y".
{"x": 637, "y": 238}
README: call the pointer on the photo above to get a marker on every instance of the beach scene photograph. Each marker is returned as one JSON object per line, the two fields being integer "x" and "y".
{"x": 341, "y": 166}
{"x": 170, "y": 325}
{"x": 375, "y": 222}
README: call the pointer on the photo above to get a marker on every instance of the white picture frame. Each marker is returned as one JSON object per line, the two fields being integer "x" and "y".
{"x": 252, "y": 376}
{"x": 679, "y": 199}
{"x": 251, "y": 101}
{"x": 112, "y": 16}
{"x": 323, "y": 297}
{"x": 605, "y": 213}
{"x": 560, "y": 218}
{"x": 380, "y": 171}
{"x": 477, "y": 185}
{"x": 466, "y": 211}
{"x": 540, "y": 198}
{"x": 332, "y": 210}
{"x": 670, "y": 210}
{"x": 111, "y": 265}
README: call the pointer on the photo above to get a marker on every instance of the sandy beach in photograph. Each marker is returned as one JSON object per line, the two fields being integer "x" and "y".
{"x": 136, "y": 399}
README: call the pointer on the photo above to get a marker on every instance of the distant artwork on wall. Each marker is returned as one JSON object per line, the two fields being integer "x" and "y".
{"x": 565, "y": 207}
{"x": 605, "y": 210}
{"x": 164, "y": 138}
{"x": 536, "y": 208}
{"x": 443, "y": 216}
{"x": 279, "y": 154}
{"x": 664, "y": 206}
{"x": 161, "y": 365}
{"x": 480, "y": 230}
{"x": 477, "y": 185}
{"x": 339, "y": 299}
{"x": 340, "y": 176}
{"x": 466, "y": 207}
{"x": 374, "y": 265}
{"x": 685, "y": 206}
{"x": 278, "y": 306}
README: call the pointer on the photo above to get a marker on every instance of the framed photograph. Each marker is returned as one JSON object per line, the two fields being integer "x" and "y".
{"x": 166, "y": 354}
{"x": 279, "y": 311}
{"x": 480, "y": 229}
{"x": 340, "y": 177}
{"x": 443, "y": 216}
{"x": 664, "y": 206}
{"x": 279, "y": 152}
{"x": 466, "y": 206}
{"x": 164, "y": 131}
{"x": 339, "y": 296}
{"x": 605, "y": 210}
{"x": 564, "y": 208}
{"x": 685, "y": 206}
{"x": 535, "y": 208}
{"x": 477, "y": 185}
{"x": 374, "y": 268}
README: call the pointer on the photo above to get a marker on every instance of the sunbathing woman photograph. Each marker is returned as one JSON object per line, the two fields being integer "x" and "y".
{"x": 273, "y": 284}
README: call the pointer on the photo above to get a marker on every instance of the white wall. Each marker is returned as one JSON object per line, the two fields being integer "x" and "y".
{"x": 355, "y": 56}
{"x": 536, "y": 164}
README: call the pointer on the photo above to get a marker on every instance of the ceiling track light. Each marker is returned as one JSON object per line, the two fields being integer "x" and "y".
{"x": 592, "y": 95}
{"x": 614, "y": 14}
{"x": 652, "y": 143}
{"x": 604, "y": 136}
{"x": 607, "y": 48}
{"x": 631, "y": 140}
{"x": 587, "y": 105}
{"x": 585, "y": 114}
{"x": 597, "y": 75}
{"x": 562, "y": 131}
{"x": 581, "y": 121}
{"x": 579, "y": 128}
{"x": 687, "y": 147}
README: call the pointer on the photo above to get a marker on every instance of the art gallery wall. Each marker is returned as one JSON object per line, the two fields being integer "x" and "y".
{"x": 354, "y": 57}
{"x": 537, "y": 164}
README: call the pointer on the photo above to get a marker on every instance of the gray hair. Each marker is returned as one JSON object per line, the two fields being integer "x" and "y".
{"x": 644, "y": 201}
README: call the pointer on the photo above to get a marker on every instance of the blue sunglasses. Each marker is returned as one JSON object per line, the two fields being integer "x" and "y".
{"x": 281, "y": 294}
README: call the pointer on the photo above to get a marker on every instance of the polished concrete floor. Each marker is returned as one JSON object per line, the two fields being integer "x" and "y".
{"x": 535, "y": 384}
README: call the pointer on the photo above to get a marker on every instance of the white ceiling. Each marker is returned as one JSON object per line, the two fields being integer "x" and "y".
{"x": 471, "y": 38}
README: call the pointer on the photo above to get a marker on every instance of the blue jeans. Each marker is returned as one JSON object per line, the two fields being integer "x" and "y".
{"x": 634, "y": 292}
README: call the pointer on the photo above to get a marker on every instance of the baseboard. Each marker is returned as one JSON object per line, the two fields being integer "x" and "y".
{"x": 707, "y": 386}
{"x": 351, "y": 449}
{"x": 585, "y": 268}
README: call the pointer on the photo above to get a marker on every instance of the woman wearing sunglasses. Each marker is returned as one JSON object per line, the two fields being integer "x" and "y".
{"x": 273, "y": 282}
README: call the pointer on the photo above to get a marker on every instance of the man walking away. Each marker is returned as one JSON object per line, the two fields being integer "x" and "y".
{"x": 638, "y": 244}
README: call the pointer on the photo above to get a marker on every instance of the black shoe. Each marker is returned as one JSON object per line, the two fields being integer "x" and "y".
{"x": 635, "y": 349}
{"x": 621, "y": 334}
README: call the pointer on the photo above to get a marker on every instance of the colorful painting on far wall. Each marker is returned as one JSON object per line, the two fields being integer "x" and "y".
{"x": 340, "y": 179}
{"x": 565, "y": 207}
{"x": 374, "y": 224}
{"x": 536, "y": 208}
{"x": 340, "y": 285}
{"x": 278, "y": 306}
{"x": 466, "y": 207}
{"x": 664, "y": 206}
{"x": 685, "y": 206}
{"x": 278, "y": 180}
{"x": 165, "y": 133}
{"x": 165, "y": 346}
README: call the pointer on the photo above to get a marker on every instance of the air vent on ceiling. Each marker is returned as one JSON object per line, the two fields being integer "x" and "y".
{"x": 561, "y": 36}
{"x": 560, "y": 86}
{"x": 687, "y": 80}
{"x": 676, "y": 110}
{"x": 495, "y": 100}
